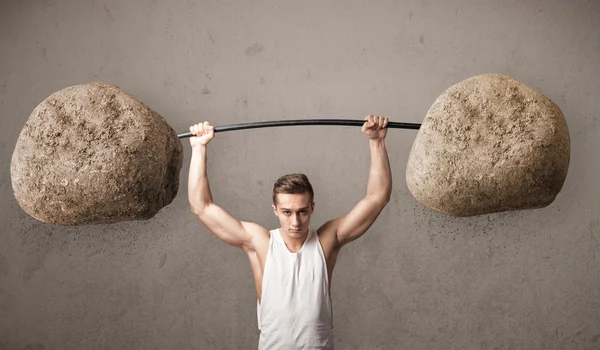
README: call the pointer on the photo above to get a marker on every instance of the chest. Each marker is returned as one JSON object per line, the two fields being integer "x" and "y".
{"x": 285, "y": 268}
{"x": 303, "y": 268}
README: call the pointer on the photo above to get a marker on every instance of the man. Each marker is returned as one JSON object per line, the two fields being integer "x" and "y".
{"x": 293, "y": 265}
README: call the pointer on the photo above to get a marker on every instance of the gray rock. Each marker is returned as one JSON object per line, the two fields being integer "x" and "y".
{"x": 489, "y": 144}
{"x": 92, "y": 154}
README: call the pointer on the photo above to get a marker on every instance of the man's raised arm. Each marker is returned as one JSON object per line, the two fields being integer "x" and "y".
{"x": 218, "y": 221}
{"x": 379, "y": 187}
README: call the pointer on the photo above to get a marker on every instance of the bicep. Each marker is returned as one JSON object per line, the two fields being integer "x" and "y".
{"x": 354, "y": 224}
{"x": 227, "y": 228}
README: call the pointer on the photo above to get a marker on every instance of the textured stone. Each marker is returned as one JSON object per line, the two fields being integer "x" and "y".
{"x": 92, "y": 154}
{"x": 489, "y": 144}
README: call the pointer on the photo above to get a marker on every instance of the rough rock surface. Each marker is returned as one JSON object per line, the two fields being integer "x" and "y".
{"x": 489, "y": 144}
{"x": 92, "y": 154}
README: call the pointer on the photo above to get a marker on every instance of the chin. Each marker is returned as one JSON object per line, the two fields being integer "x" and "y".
{"x": 296, "y": 233}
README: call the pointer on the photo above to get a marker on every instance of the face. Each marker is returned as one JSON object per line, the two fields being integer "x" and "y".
{"x": 294, "y": 211}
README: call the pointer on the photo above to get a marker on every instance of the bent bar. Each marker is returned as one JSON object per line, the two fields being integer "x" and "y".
{"x": 345, "y": 122}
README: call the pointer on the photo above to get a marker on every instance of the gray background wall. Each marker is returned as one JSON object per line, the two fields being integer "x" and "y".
{"x": 416, "y": 280}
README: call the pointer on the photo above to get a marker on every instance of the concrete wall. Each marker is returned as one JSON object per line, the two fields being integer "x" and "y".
{"x": 416, "y": 280}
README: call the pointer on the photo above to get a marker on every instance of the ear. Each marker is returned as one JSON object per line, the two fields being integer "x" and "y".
{"x": 275, "y": 210}
{"x": 312, "y": 207}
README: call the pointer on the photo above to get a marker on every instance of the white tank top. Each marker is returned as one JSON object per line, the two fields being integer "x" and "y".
{"x": 295, "y": 311}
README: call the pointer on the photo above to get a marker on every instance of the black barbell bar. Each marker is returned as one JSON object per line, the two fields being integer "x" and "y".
{"x": 301, "y": 122}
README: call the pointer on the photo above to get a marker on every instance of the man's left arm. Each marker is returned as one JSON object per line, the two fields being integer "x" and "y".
{"x": 379, "y": 188}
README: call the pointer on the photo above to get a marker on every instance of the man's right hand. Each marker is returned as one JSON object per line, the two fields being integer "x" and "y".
{"x": 204, "y": 132}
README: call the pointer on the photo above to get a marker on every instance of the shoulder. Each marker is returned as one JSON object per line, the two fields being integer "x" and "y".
{"x": 259, "y": 236}
{"x": 329, "y": 228}
{"x": 327, "y": 234}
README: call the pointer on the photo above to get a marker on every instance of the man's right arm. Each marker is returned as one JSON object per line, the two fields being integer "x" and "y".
{"x": 217, "y": 220}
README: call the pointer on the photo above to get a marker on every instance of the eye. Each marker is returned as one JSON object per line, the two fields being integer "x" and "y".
{"x": 286, "y": 212}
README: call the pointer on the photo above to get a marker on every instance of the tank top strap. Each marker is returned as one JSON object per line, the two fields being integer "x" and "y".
{"x": 276, "y": 236}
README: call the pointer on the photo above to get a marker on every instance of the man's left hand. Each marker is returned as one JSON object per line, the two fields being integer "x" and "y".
{"x": 375, "y": 127}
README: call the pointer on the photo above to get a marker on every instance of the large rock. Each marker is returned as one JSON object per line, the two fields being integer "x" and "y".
{"x": 93, "y": 154}
{"x": 489, "y": 144}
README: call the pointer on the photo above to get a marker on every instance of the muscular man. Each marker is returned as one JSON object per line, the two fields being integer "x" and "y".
{"x": 293, "y": 265}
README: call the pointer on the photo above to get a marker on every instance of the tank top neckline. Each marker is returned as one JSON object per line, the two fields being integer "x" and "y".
{"x": 280, "y": 239}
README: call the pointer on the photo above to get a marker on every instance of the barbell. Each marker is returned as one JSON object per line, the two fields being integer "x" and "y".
{"x": 301, "y": 122}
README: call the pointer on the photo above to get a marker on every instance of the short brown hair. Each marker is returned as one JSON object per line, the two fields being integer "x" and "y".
{"x": 292, "y": 184}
